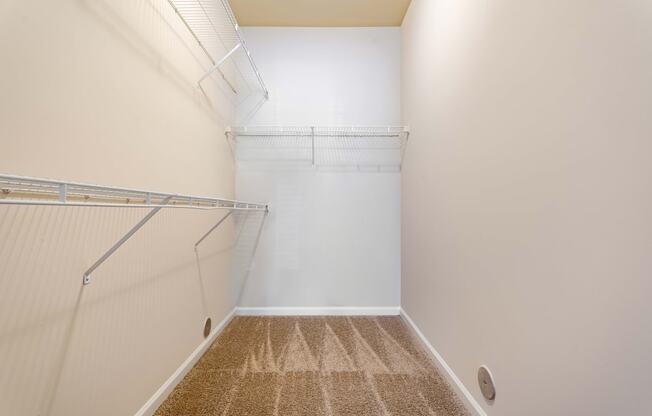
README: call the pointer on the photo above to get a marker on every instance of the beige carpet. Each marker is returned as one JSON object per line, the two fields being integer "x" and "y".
{"x": 330, "y": 366}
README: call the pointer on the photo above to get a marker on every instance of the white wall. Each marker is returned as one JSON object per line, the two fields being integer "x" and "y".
{"x": 328, "y": 76}
{"x": 332, "y": 237}
{"x": 104, "y": 91}
{"x": 527, "y": 225}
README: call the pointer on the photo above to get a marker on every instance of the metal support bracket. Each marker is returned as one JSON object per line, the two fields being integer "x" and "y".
{"x": 312, "y": 141}
{"x": 116, "y": 246}
{"x": 213, "y": 228}
{"x": 63, "y": 192}
{"x": 219, "y": 63}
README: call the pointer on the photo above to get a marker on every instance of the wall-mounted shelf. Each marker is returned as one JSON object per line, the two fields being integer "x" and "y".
{"x": 21, "y": 190}
{"x": 213, "y": 25}
{"x": 361, "y": 147}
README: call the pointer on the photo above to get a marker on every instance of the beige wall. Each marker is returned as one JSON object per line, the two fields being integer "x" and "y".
{"x": 104, "y": 92}
{"x": 527, "y": 214}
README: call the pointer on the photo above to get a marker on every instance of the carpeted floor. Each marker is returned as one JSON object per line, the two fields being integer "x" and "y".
{"x": 314, "y": 366}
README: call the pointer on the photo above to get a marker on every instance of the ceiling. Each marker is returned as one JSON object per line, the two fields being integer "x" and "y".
{"x": 321, "y": 13}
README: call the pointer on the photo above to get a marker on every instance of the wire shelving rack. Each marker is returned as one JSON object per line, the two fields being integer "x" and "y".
{"x": 216, "y": 31}
{"x": 22, "y": 190}
{"x": 361, "y": 147}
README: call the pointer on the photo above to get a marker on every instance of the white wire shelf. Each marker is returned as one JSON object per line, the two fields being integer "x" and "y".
{"x": 22, "y": 190}
{"x": 374, "y": 147}
{"x": 319, "y": 131}
{"x": 214, "y": 27}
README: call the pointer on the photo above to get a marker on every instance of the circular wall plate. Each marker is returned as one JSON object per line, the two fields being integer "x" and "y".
{"x": 207, "y": 327}
{"x": 486, "y": 382}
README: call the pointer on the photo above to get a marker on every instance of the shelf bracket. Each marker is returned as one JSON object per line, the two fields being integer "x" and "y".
{"x": 312, "y": 141}
{"x": 213, "y": 228}
{"x": 116, "y": 246}
{"x": 219, "y": 63}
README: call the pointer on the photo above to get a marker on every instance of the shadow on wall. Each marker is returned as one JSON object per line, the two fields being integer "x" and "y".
{"x": 60, "y": 361}
{"x": 249, "y": 107}
{"x": 249, "y": 228}
{"x": 61, "y": 344}
{"x": 165, "y": 50}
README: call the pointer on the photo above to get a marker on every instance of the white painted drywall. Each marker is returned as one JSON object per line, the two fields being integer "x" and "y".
{"x": 332, "y": 238}
{"x": 527, "y": 221}
{"x": 328, "y": 76}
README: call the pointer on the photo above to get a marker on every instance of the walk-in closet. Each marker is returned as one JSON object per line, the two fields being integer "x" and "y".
{"x": 325, "y": 207}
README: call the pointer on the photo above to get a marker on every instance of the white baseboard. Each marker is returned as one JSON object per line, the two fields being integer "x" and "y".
{"x": 467, "y": 398}
{"x": 162, "y": 393}
{"x": 334, "y": 310}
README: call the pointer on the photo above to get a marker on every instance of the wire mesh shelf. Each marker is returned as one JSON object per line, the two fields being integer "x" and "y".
{"x": 21, "y": 190}
{"x": 214, "y": 27}
{"x": 362, "y": 147}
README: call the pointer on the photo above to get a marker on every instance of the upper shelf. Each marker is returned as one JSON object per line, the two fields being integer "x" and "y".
{"x": 215, "y": 29}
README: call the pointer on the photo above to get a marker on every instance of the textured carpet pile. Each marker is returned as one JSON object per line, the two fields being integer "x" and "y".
{"x": 314, "y": 366}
